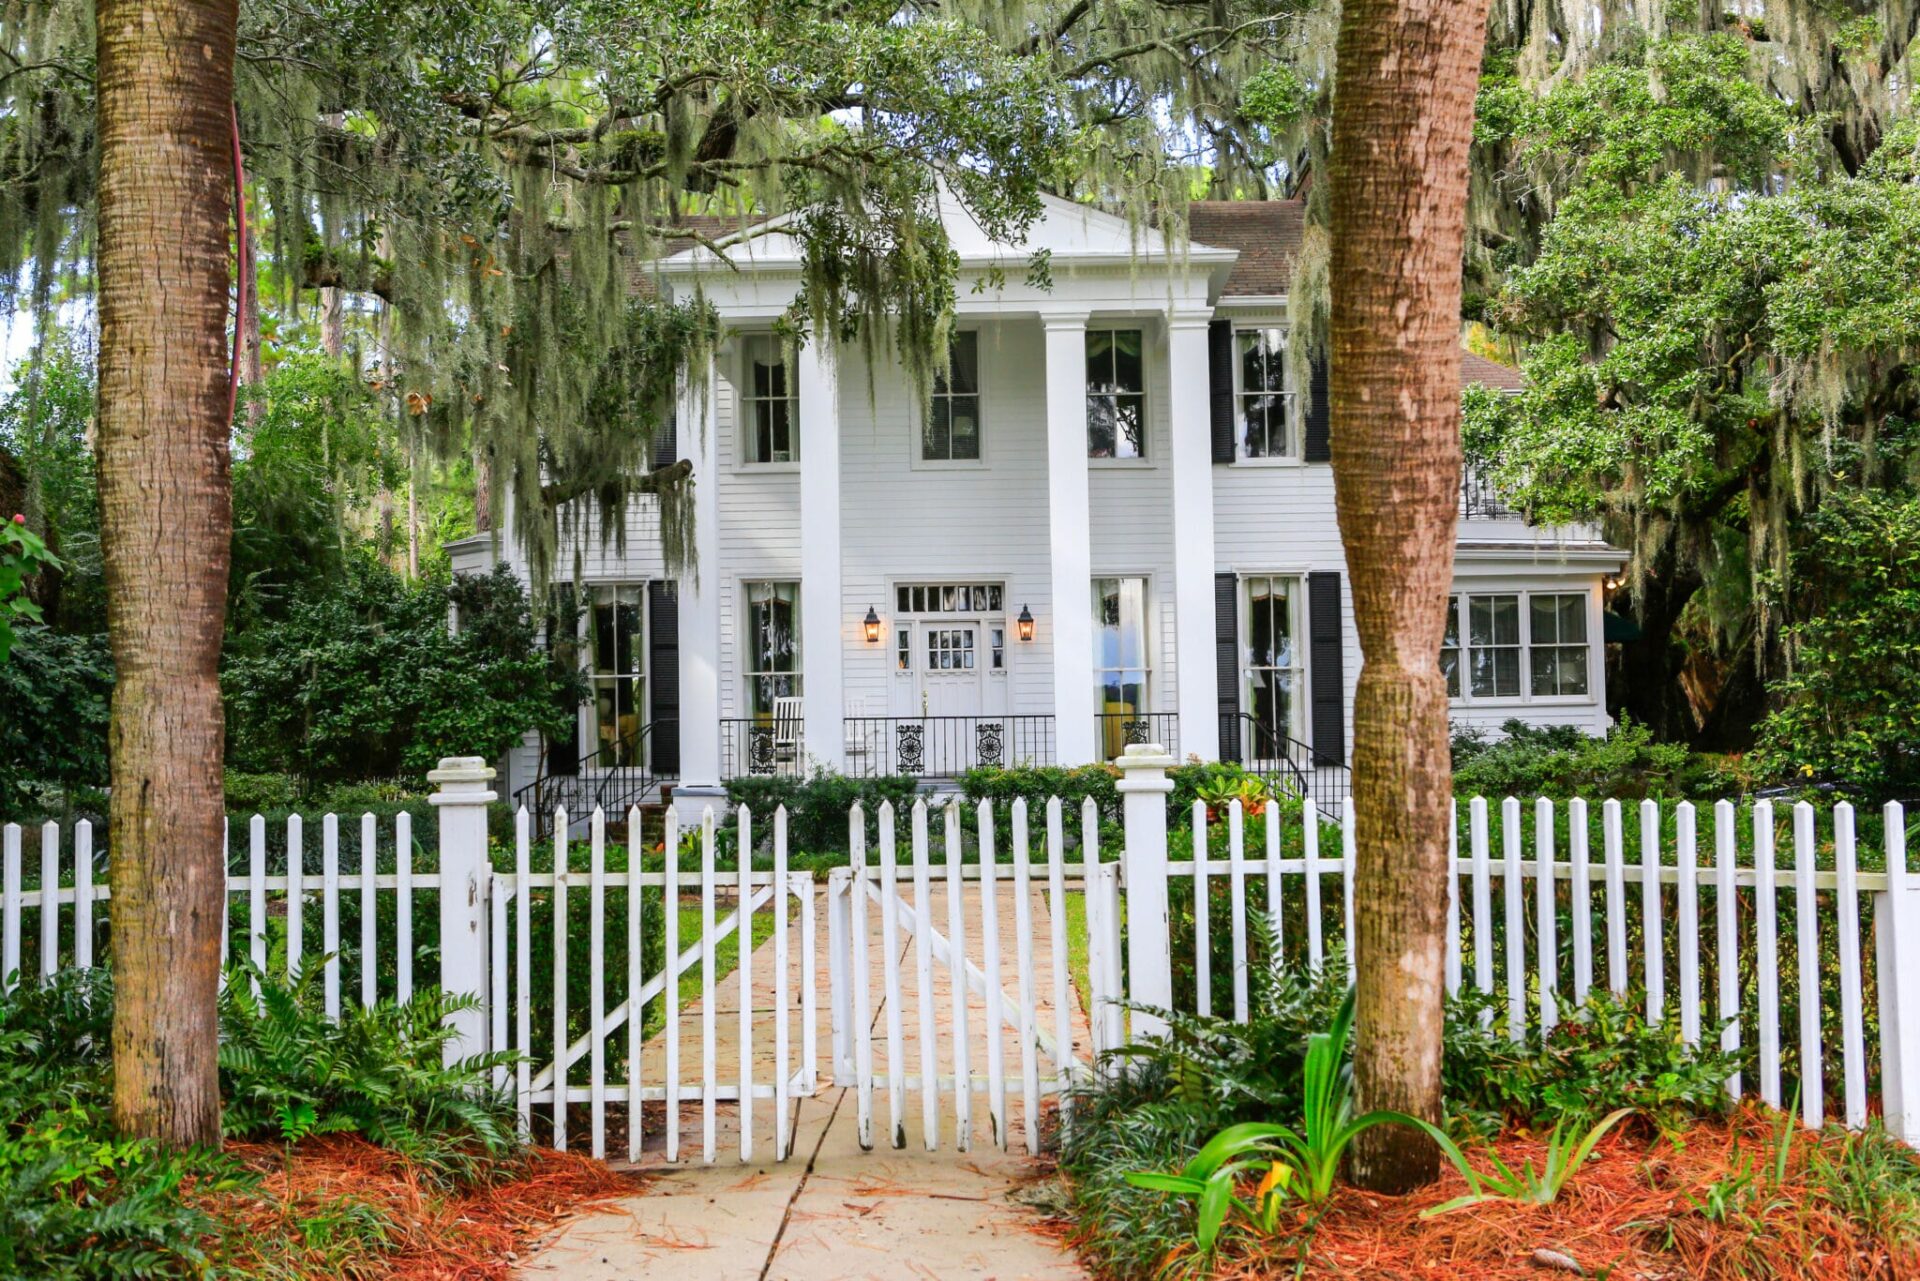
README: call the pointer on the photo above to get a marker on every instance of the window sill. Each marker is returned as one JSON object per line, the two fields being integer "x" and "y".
{"x": 1122, "y": 464}
{"x": 1522, "y": 701}
{"x": 1257, "y": 464}
{"x": 767, "y": 469}
{"x": 948, "y": 464}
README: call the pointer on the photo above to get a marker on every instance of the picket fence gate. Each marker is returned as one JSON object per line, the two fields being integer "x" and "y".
{"x": 503, "y": 937}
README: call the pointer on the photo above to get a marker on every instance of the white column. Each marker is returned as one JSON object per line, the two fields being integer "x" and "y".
{"x": 1196, "y": 680}
{"x": 700, "y": 591}
{"x": 466, "y": 881}
{"x": 1070, "y": 537}
{"x": 822, "y": 604}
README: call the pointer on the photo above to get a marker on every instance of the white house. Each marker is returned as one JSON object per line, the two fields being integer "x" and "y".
{"x": 1106, "y": 527}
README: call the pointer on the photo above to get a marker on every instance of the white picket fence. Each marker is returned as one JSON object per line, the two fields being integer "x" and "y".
{"x": 992, "y": 1009}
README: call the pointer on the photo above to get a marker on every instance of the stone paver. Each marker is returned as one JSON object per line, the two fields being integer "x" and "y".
{"x": 832, "y": 1210}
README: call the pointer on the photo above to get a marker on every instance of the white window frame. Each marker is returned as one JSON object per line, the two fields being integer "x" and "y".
{"x": 1148, "y": 456}
{"x": 1149, "y": 619}
{"x": 994, "y": 624}
{"x": 1460, "y": 600}
{"x": 590, "y": 741}
{"x": 1302, "y": 647}
{"x": 746, "y": 433}
{"x": 917, "y": 421}
{"x": 750, "y": 673}
{"x": 1292, "y": 458}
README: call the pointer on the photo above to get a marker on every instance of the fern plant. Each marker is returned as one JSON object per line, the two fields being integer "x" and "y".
{"x": 289, "y": 1071}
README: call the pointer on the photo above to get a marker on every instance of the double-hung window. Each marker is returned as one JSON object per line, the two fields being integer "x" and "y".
{"x": 1264, "y": 427}
{"x": 1116, "y": 394}
{"x": 1515, "y": 645}
{"x": 618, "y": 674}
{"x": 1120, "y": 667}
{"x": 1557, "y": 646}
{"x": 771, "y": 407}
{"x": 773, "y": 645}
{"x": 952, "y": 430}
{"x": 1274, "y": 661}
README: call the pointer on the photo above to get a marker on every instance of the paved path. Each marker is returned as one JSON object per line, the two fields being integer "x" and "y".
{"x": 832, "y": 1210}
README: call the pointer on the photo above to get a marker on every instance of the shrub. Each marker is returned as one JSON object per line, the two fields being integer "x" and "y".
{"x": 367, "y": 681}
{"x": 77, "y": 1203}
{"x": 56, "y": 690}
{"x": 288, "y": 1071}
{"x": 1561, "y": 760}
{"x": 817, "y": 806}
{"x": 1603, "y": 1055}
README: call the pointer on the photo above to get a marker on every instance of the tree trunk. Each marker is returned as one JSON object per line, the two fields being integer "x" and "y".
{"x": 165, "y": 88}
{"x": 1402, "y": 116}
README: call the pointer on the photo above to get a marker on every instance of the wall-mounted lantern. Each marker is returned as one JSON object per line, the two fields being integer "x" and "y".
{"x": 872, "y": 624}
{"x": 1024, "y": 623}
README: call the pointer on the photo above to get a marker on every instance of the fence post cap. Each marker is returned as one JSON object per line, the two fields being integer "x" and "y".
{"x": 462, "y": 780}
{"x": 1143, "y": 767}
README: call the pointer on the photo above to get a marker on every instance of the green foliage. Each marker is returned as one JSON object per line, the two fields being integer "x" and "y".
{"x": 1568, "y": 1147}
{"x": 1250, "y": 1071}
{"x": 817, "y": 807}
{"x": 45, "y": 420}
{"x": 1562, "y": 761}
{"x": 288, "y": 1071}
{"x": 1602, "y": 1056}
{"x": 57, "y": 689}
{"x": 22, "y": 555}
{"x": 76, "y": 1202}
{"x": 367, "y": 681}
{"x": 1850, "y": 706}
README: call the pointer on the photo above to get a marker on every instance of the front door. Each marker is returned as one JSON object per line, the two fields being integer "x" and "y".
{"x": 950, "y": 669}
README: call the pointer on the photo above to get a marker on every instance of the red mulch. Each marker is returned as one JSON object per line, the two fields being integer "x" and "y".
{"x": 1625, "y": 1215}
{"x": 433, "y": 1235}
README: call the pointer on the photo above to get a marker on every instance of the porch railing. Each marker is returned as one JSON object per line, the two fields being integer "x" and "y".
{"x": 932, "y": 747}
{"x": 1287, "y": 765}
{"x": 1478, "y": 498}
{"x": 1114, "y": 732}
{"x": 614, "y": 778}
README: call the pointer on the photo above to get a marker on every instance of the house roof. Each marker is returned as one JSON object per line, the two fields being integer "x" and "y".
{"x": 1490, "y": 373}
{"x": 1266, "y": 232}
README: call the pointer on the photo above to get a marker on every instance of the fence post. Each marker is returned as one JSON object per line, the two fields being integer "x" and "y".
{"x": 1144, "y": 787}
{"x": 1896, "y": 928}
{"x": 466, "y": 881}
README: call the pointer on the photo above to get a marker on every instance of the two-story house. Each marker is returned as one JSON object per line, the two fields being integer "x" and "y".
{"x": 1109, "y": 525}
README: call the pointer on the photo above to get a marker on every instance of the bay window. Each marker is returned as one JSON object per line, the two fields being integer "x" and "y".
{"x": 1557, "y": 647}
{"x": 1516, "y": 646}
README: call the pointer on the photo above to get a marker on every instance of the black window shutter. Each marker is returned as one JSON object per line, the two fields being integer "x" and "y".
{"x": 663, "y": 657}
{"x": 666, "y": 442}
{"x": 1226, "y": 645}
{"x": 1326, "y": 672}
{"x": 1317, "y": 447}
{"x": 1220, "y": 387}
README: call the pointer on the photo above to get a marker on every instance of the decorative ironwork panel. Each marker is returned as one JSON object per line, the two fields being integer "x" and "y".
{"x": 1135, "y": 731}
{"x": 990, "y": 743}
{"x": 911, "y": 744}
{"x": 760, "y": 754}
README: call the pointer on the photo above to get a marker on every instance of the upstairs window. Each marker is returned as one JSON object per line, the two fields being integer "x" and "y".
{"x": 952, "y": 431}
{"x": 771, "y": 408}
{"x": 1262, "y": 403}
{"x": 1116, "y": 394}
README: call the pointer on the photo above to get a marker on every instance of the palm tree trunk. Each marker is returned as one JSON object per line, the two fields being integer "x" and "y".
{"x": 1402, "y": 116}
{"x": 165, "y": 88}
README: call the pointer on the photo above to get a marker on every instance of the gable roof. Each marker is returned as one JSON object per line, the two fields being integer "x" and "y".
{"x": 1266, "y": 232}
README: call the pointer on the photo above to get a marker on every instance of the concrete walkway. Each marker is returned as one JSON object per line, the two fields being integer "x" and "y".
{"x": 832, "y": 1210}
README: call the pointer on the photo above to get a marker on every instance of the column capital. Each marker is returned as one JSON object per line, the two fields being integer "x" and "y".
{"x": 1064, "y": 321}
{"x": 1190, "y": 318}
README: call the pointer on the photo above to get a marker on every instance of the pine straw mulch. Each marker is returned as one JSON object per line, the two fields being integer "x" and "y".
{"x": 417, "y": 1230}
{"x": 1631, "y": 1212}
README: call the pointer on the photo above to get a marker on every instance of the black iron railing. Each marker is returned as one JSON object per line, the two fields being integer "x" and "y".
{"x": 1478, "y": 498}
{"x": 751, "y": 745}
{"x": 1114, "y": 732}
{"x": 1287, "y": 765}
{"x": 616, "y": 777}
{"x": 945, "y": 746}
